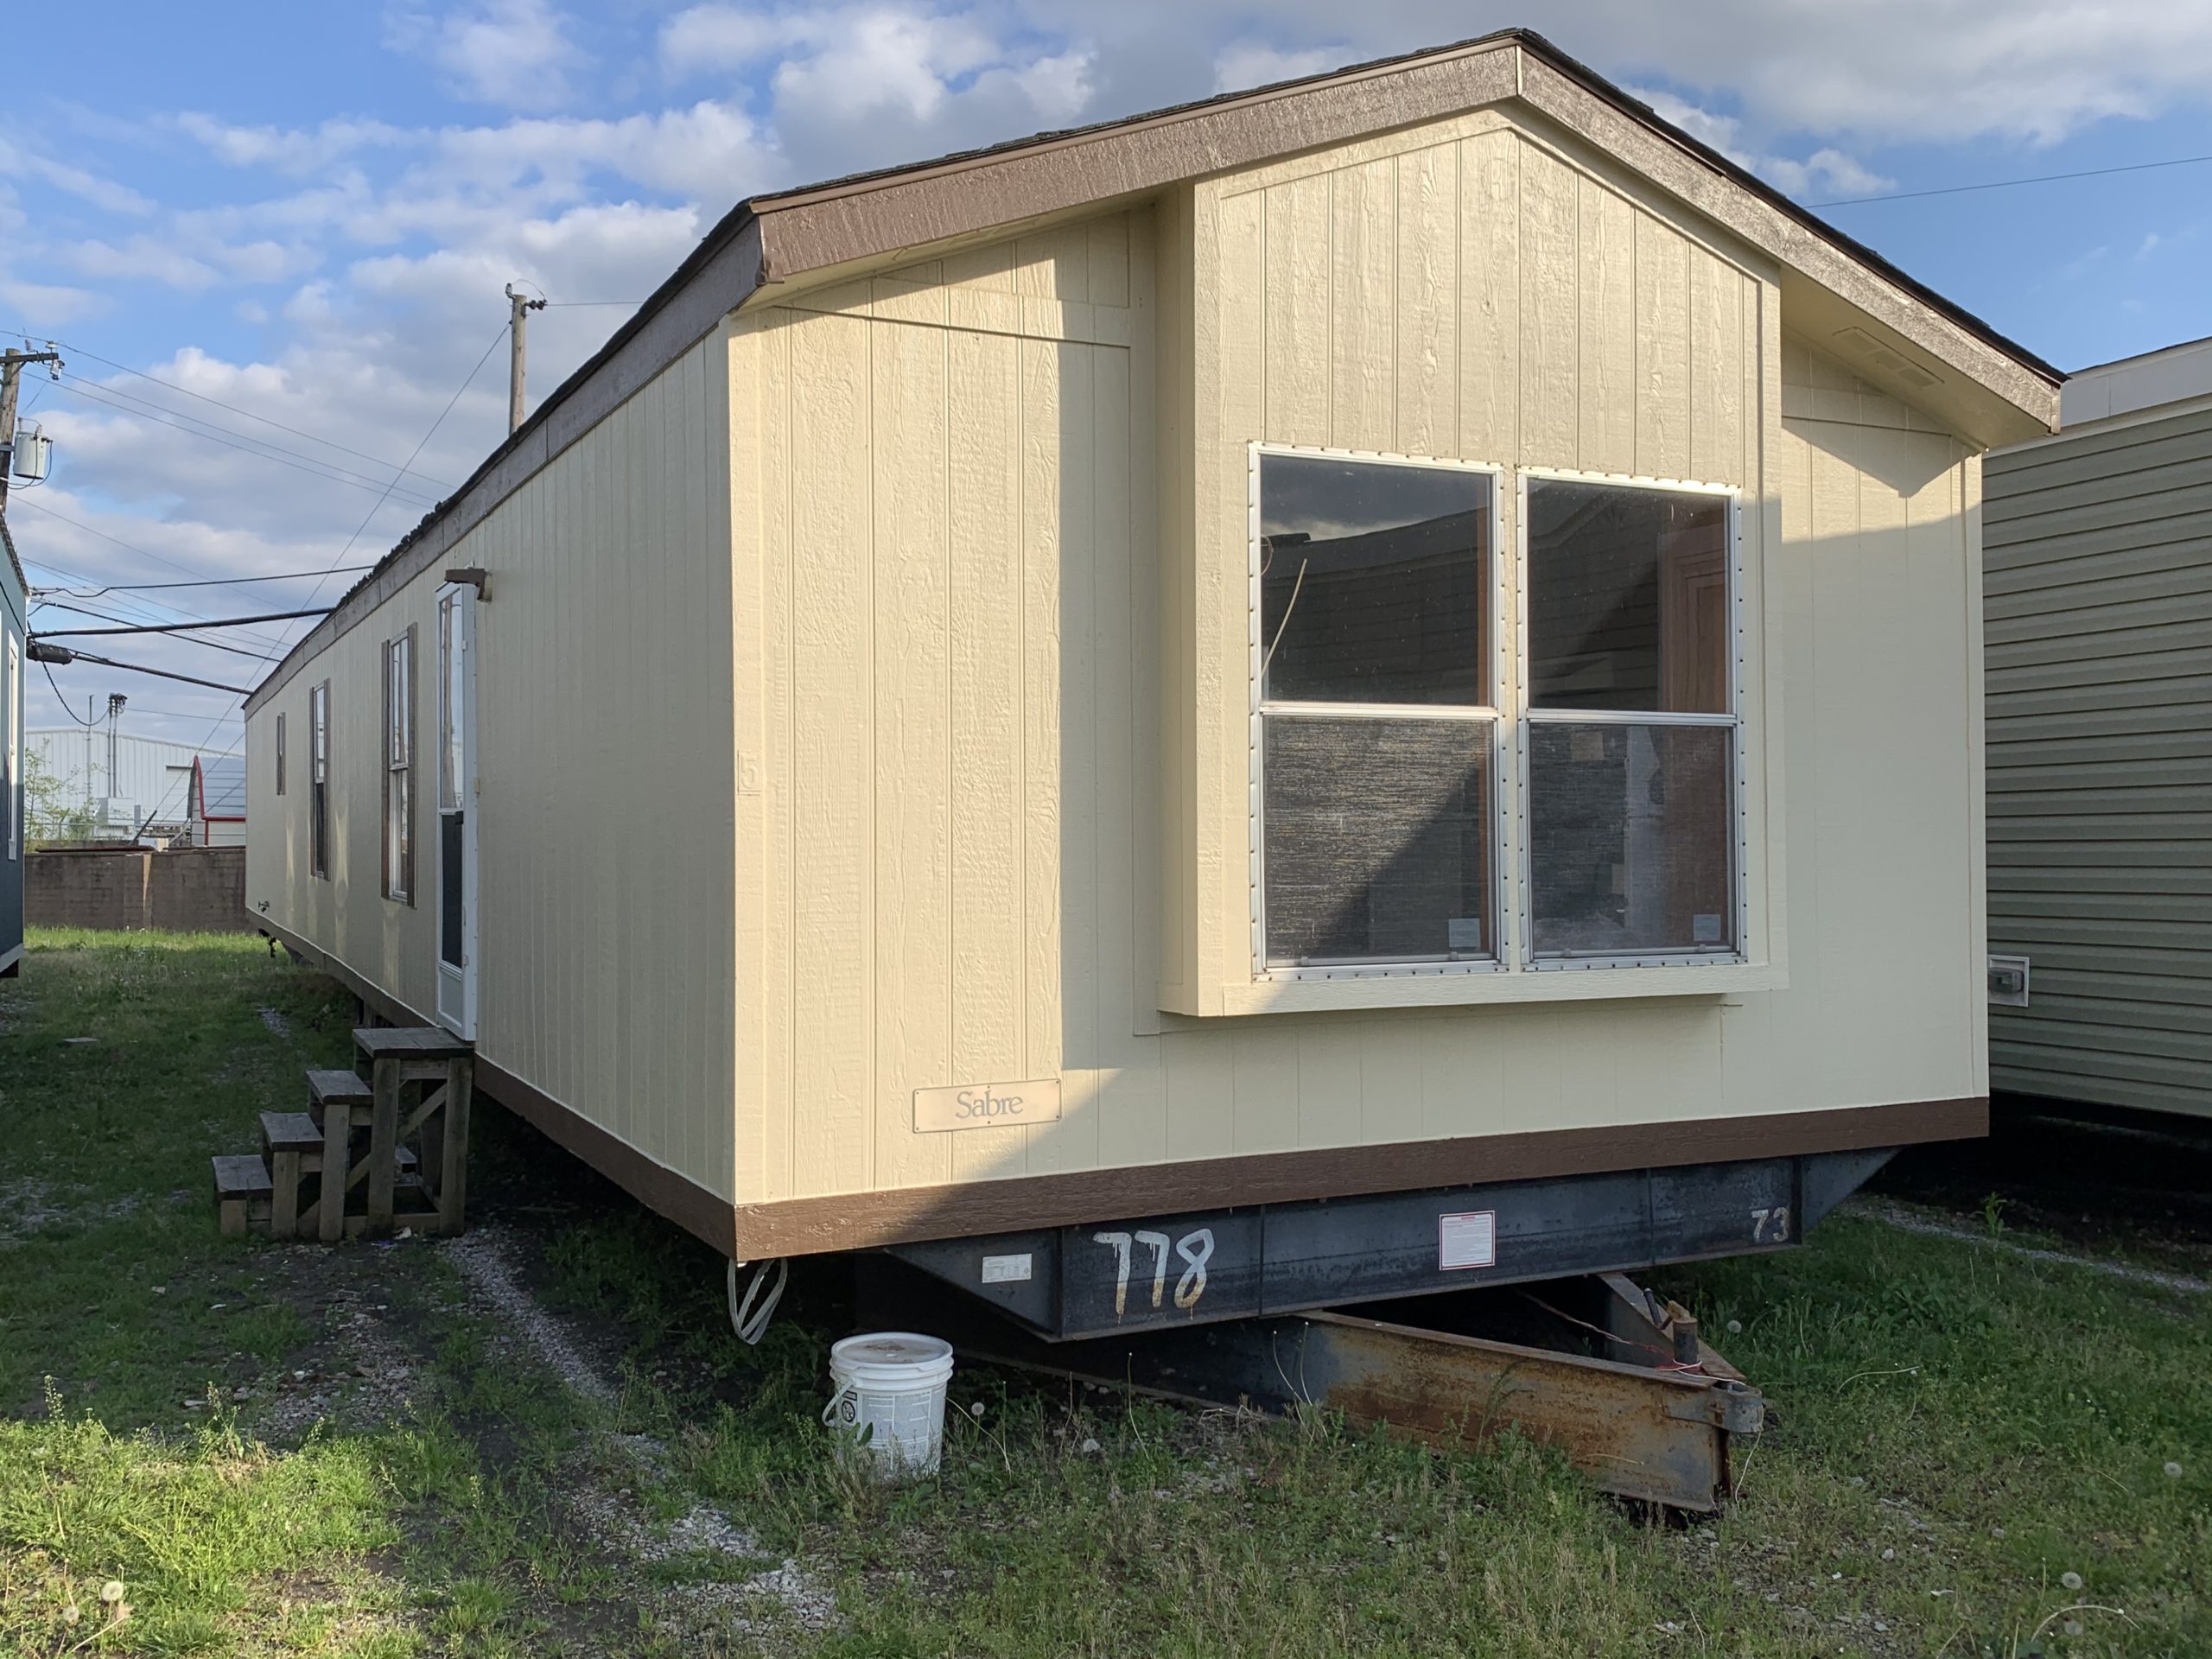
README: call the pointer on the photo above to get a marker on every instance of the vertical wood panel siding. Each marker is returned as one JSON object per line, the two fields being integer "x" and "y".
{"x": 2099, "y": 607}
{"x": 605, "y": 736}
{"x": 990, "y": 721}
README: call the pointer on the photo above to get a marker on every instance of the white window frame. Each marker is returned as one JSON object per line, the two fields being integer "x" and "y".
{"x": 1495, "y": 608}
{"x": 1733, "y": 721}
{"x": 399, "y": 851}
{"x": 15, "y": 802}
{"x": 320, "y": 830}
{"x": 1512, "y": 720}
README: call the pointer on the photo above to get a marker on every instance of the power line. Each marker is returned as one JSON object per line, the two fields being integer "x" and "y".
{"x": 102, "y": 616}
{"x": 211, "y": 582}
{"x": 235, "y": 408}
{"x": 427, "y": 437}
{"x": 571, "y": 305}
{"x": 185, "y": 627}
{"x": 2009, "y": 184}
{"x": 128, "y": 547}
{"x": 146, "y": 408}
{"x": 69, "y": 655}
{"x": 62, "y": 697}
{"x": 76, "y": 388}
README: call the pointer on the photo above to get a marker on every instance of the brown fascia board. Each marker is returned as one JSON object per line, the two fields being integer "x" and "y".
{"x": 775, "y": 238}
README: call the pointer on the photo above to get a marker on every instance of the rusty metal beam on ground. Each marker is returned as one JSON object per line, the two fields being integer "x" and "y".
{"x": 1603, "y": 1382}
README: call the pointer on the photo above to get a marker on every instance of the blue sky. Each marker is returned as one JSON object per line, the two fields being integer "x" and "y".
{"x": 307, "y": 214}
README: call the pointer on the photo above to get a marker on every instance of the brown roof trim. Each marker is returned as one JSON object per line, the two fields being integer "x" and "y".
{"x": 777, "y": 236}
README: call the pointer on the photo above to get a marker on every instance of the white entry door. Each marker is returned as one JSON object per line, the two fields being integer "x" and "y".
{"x": 457, "y": 825}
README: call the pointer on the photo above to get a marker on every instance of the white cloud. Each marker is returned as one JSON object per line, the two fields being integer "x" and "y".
{"x": 52, "y": 305}
{"x": 514, "y": 53}
{"x": 1247, "y": 64}
{"x": 293, "y": 151}
{"x": 91, "y": 187}
{"x": 1828, "y": 171}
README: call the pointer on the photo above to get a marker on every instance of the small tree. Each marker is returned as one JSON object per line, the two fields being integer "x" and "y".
{"x": 52, "y": 813}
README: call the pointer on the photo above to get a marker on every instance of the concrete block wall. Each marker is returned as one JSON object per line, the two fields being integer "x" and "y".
{"x": 196, "y": 891}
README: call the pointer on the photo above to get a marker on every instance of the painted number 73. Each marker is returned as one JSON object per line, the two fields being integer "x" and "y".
{"x": 1195, "y": 1248}
{"x": 1770, "y": 1226}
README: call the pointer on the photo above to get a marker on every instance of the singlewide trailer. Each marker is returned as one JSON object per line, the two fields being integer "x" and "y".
{"x": 1362, "y": 688}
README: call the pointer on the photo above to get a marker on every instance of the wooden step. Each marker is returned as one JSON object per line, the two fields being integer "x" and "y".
{"x": 344, "y": 1087}
{"x": 242, "y": 1192}
{"x": 241, "y": 1175}
{"x": 290, "y": 1132}
{"x": 410, "y": 1043}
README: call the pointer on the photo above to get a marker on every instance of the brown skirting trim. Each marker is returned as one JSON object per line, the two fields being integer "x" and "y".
{"x": 863, "y": 1220}
{"x": 868, "y": 1220}
{"x": 659, "y": 1188}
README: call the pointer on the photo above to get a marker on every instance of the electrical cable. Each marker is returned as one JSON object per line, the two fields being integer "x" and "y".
{"x": 151, "y": 606}
{"x": 211, "y": 582}
{"x": 102, "y": 616}
{"x": 153, "y": 410}
{"x": 158, "y": 673}
{"x": 2009, "y": 184}
{"x": 297, "y": 432}
{"x": 62, "y": 697}
{"x": 63, "y": 569}
{"x": 427, "y": 437}
{"x": 71, "y": 385}
{"x": 185, "y": 627}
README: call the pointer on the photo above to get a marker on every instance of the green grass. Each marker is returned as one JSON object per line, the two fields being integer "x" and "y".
{"x": 1956, "y": 1431}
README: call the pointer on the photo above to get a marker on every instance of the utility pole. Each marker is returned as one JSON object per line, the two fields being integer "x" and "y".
{"x": 11, "y": 369}
{"x": 519, "y": 306}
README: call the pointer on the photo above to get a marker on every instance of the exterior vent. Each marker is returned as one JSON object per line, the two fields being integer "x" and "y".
{"x": 1881, "y": 359}
{"x": 2008, "y": 981}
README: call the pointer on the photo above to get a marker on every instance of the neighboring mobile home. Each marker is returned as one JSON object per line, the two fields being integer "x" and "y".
{"x": 1410, "y": 628}
{"x": 2099, "y": 598}
{"x": 216, "y": 813}
{"x": 15, "y": 612}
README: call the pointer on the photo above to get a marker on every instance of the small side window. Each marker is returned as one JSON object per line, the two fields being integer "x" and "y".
{"x": 280, "y": 755}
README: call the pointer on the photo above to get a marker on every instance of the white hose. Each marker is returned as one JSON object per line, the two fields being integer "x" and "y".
{"x": 751, "y": 1322}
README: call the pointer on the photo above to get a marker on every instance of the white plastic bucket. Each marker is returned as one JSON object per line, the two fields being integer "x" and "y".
{"x": 887, "y": 1401}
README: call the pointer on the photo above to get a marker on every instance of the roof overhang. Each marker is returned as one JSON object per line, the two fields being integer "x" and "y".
{"x": 1840, "y": 293}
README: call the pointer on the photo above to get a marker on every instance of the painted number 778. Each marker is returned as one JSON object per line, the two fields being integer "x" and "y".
{"x": 1195, "y": 1248}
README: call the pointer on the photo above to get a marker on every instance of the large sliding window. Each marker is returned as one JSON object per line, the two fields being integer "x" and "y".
{"x": 1382, "y": 684}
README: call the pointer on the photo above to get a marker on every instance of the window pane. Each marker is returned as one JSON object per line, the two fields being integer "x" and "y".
{"x": 1628, "y": 599}
{"x": 449, "y": 694}
{"x": 1377, "y": 840}
{"x": 1630, "y": 838}
{"x": 1371, "y": 582}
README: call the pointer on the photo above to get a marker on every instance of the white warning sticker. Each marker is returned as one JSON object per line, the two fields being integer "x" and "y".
{"x": 1006, "y": 1269}
{"x": 1467, "y": 1239}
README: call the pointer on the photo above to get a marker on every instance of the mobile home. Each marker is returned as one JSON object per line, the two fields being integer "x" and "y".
{"x": 1411, "y": 630}
{"x": 15, "y": 612}
{"x": 2098, "y": 594}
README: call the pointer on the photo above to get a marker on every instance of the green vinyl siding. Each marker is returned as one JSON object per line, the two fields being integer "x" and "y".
{"x": 2098, "y": 600}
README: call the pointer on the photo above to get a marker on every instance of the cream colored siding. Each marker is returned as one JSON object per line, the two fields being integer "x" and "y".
{"x": 990, "y": 625}
{"x": 1474, "y": 291}
{"x": 2099, "y": 606}
{"x": 605, "y": 740}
